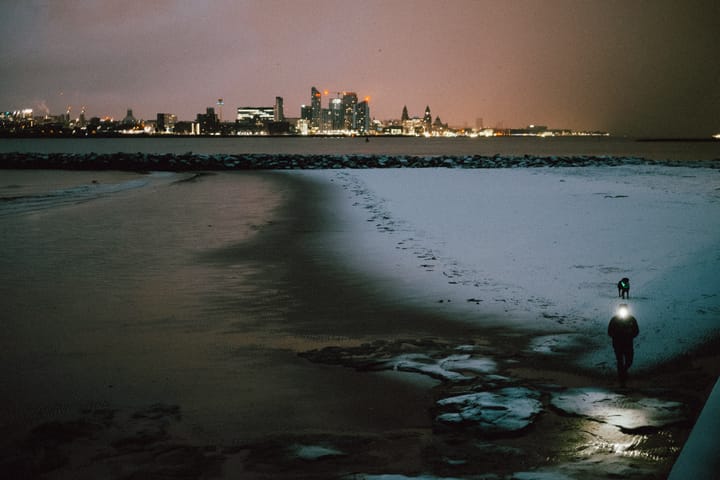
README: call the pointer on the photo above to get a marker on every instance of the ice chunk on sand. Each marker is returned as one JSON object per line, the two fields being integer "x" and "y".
{"x": 466, "y": 363}
{"x": 314, "y": 452}
{"x": 506, "y": 410}
{"x": 446, "y": 369}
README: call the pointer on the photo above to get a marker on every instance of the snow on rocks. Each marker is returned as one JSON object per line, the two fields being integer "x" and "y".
{"x": 191, "y": 161}
{"x": 628, "y": 413}
{"x": 504, "y": 411}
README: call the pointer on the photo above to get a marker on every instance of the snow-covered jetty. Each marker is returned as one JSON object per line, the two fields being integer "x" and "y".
{"x": 194, "y": 161}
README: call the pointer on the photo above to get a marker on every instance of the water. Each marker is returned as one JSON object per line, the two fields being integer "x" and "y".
{"x": 560, "y": 146}
{"x": 24, "y": 191}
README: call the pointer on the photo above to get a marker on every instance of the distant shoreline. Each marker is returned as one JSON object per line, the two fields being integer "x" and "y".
{"x": 359, "y": 137}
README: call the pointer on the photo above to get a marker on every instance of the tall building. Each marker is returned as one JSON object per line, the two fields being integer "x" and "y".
{"x": 220, "y": 103}
{"x": 326, "y": 123}
{"x": 306, "y": 113}
{"x": 315, "y": 108}
{"x": 128, "y": 120}
{"x": 427, "y": 119}
{"x": 279, "y": 115}
{"x": 404, "y": 117}
{"x": 81, "y": 121}
{"x": 362, "y": 117}
{"x": 349, "y": 103}
{"x": 165, "y": 123}
{"x": 337, "y": 114}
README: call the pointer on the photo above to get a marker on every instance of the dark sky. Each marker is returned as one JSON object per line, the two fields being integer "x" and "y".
{"x": 649, "y": 68}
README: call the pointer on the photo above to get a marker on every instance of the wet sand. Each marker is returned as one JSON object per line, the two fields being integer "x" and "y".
{"x": 160, "y": 333}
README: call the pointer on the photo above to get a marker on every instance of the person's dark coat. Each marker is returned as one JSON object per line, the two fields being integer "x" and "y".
{"x": 623, "y": 331}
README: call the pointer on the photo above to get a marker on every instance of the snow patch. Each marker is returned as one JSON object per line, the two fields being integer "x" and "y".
{"x": 556, "y": 344}
{"x": 507, "y": 410}
{"x": 314, "y": 452}
{"x": 446, "y": 369}
{"x": 543, "y": 248}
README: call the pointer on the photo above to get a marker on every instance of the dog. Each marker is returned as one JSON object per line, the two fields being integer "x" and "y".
{"x": 624, "y": 288}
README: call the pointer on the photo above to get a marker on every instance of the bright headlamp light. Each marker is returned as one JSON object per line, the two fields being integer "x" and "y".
{"x": 623, "y": 312}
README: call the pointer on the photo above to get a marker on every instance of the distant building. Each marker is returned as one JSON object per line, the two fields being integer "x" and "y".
{"x": 349, "y": 103}
{"x": 128, "y": 120}
{"x": 262, "y": 120}
{"x": 254, "y": 120}
{"x": 302, "y": 126}
{"x": 306, "y": 113}
{"x": 220, "y": 103}
{"x": 337, "y": 114}
{"x": 278, "y": 113}
{"x": 325, "y": 120}
{"x": 315, "y": 108}
{"x": 165, "y": 123}
{"x": 255, "y": 114}
{"x": 362, "y": 117}
{"x": 427, "y": 119}
{"x": 208, "y": 123}
{"x": 394, "y": 130}
{"x": 185, "y": 128}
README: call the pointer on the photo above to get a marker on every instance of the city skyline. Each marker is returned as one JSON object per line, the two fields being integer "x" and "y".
{"x": 339, "y": 113}
{"x": 633, "y": 68}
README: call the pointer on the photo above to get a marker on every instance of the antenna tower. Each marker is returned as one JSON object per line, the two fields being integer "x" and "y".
{"x": 220, "y": 104}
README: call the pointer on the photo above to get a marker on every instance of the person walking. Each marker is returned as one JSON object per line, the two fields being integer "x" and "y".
{"x": 623, "y": 329}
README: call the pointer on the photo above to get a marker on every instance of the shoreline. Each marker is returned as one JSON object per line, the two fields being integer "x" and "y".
{"x": 333, "y": 306}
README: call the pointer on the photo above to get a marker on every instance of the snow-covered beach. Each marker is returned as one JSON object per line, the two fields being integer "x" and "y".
{"x": 471, "y": 306}
{"x": 543, "y": 249}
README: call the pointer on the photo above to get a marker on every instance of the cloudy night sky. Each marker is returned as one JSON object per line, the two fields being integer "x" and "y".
{"x": 646, "y": 68}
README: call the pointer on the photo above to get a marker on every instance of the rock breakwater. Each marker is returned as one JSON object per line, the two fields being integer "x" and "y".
{"x": 194, "y": 161}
